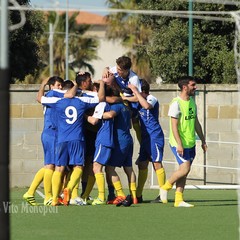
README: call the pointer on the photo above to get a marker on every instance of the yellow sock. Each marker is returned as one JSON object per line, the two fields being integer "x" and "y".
{"x": 90, "y": 183}
{"x": 38, "y": 178}
{"x": 161, "y": 177}
{"x": 167, "y": 185}
{"x": 118, "y": 187}
{"x": 75, "y": 191}
{"x": 75, "y": 178}
{"x": 178, "y": 197}
{"x": 56, "y": 184}
{"x": 47, "y": 181}
{"x": 142, "y": 177}
{"x": 101, "y": 185}
{"x": 133, "y": 189}
{"x": 137, "y": 128}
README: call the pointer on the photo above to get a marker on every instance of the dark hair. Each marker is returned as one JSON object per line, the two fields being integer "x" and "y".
{"x": 110, "y": 91}
{"x": 52, "y": 80}
{"x": 145, "y": 86}
{"x": 67, "y": 84}
{"x": 124, "y": 62}
{"x": 96, "y": 85}
{"x": 184, "y": 81}
{"x": 82, "y": 77}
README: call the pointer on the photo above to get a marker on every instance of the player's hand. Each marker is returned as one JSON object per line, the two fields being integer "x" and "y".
{"x": 81, "y": 73}
{"x": 99, "y": 81}
{"x": 45, "y": 81}
{"x": 132, "y": 87}
{"x": 105, "y": 73}
{"x": 180, "y": 150}
{"x": 204, "y": 146}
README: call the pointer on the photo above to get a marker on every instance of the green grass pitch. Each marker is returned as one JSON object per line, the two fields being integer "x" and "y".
{"x": 214, "y": 217}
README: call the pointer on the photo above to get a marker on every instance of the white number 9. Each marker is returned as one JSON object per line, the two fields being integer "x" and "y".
{"x": 71, "y": 113}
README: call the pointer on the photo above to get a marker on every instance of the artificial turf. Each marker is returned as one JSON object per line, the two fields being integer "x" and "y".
{"x": 214, "y": 217}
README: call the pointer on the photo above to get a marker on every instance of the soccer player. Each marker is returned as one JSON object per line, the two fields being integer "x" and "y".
{"x": 104, "y": 145}
{"x": 70, "y": 148}
{"x": 85, "y": 86}
{"x": 124, "y": 76}
{"x": 183, "y": 125}
{"x": 122, "y": 152}
{"x": 152, "y": 144}
{"x": 48, "y": 138}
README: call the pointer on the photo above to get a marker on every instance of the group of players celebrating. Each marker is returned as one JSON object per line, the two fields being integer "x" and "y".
{"x": 87, "y": 131}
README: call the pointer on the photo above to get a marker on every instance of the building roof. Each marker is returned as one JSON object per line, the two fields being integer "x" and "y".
{"x": 90, "y": 18}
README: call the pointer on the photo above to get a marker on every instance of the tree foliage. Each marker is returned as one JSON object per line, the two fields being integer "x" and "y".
{"x": 166, "y": 44}
{"x": 23, "y": 43}
{"x": 126, "y": 27}
{"x": 81, "y": 49}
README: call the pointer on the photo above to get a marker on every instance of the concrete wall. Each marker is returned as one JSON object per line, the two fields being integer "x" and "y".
{"x": 218, "y": 111}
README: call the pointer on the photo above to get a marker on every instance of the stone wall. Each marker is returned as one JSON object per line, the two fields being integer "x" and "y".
{"x": 218, "y": 112}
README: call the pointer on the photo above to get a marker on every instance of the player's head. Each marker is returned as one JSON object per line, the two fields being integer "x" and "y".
{"x": 188, "y": 85}
{"x": 55, "y": 82}
{"x": 109, "y": 80}
{"x": 67, "y": 84}
{"x": 145, "y": 87}
{"x": 84, "y": 81}
{"x": 124, "y": 65}
{"x": 111, "y": 91}
{"x": 95, "y": 87}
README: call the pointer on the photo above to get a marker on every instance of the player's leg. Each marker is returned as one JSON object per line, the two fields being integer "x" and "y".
{"x": 47, "y": 182}
{"x": 117, "y": 184}
{"x": 142, "y": 178}
{"x": 56, "y": 184}
{"x": 74, "y": 179}
{"x": 179, "y": 202}
{"x": 88, "y": 178}
{"x": 75, "y": 151}
{"x": 100, "y": 181}
{"x": 160, "y": 172}
{"x": 29, "y": 195}
{"x": 101, "y": 157}
{"x": 90, "y": 183}
{"x": 183, "y": 170}
{"x": 111, "y": 190}
{"x": 132, "y": 183}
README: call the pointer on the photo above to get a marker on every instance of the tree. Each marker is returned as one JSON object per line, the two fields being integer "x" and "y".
{"x": 81, "y": 49}
{"x": 163, "y": 48}
{"x": 134, "y": 35}
{"x": 23, "y": 43}
{"x": 213, "y": 56}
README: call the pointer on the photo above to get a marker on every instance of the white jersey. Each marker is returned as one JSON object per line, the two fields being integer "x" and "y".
{"x": 132, "y": 78}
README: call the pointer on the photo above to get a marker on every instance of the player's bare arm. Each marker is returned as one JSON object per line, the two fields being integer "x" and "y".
{"x": 140, "y": 98}
{"x": 198, "y": 129}
{"x": 176, "y": 135}
{"x": 41, "y": 90}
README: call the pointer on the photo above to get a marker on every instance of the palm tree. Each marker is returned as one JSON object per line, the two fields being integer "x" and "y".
{"x": 81, "y": 49}
{"x": 133, "y": 33}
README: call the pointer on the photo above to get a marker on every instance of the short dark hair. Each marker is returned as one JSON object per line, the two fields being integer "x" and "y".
{"x": 82, "y": 77}
{"x": 67, "y": 84}
{"x": 111, "y": 91}
{"x": 184, "y": 81}
{"x": 145, "y": 87}
{"x": 52, "y": 80}
{"x": 124, "y": 62}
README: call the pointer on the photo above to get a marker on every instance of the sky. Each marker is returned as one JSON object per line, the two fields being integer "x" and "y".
{"x": 83, "y": 4}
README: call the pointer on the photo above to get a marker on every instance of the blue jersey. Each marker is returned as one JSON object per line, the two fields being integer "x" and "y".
{"x": 49, "y": 113}
{"x": 105, "y": 132}
{"x": 122, "y": 124}
{"x": 70, "y": 115}
{"x": 150, "y": 126}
